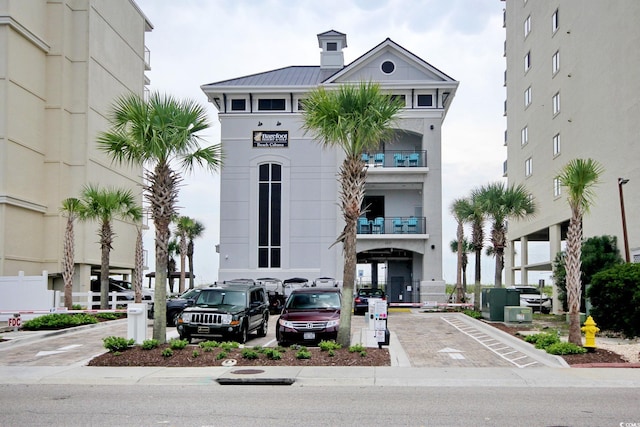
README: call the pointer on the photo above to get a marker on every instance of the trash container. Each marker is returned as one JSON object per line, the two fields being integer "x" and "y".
{"x": 137, "y": 322}
{"x": 494, "y": 300}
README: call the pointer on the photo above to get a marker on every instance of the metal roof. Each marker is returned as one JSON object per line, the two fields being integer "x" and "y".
{"x": 296, "y": 75}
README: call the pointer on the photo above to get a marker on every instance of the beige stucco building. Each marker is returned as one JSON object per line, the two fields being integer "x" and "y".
{"x": 62, "y": 64}
{"x": 573, "y": 91}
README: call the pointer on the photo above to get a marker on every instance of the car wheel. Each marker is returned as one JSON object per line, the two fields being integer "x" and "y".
{"x": 264, "y": 327}
{"x": 186, "y": 337}
{"x": 172, "y": 318}
{"x": 242, "y": 334}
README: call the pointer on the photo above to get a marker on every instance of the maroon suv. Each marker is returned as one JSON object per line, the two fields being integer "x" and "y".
{"x": 310, "y": 315}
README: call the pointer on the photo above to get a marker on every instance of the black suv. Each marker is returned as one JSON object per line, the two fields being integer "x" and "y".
{"x": 231, "y": 311}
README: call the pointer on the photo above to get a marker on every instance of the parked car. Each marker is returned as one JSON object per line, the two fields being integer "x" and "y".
{"x": 325, "y": 282}
{"x": 275, "y": 292}
{"x": 175, "y": 305}
{"x": 231, "y": 311}
{"x": 361, "y": 299}
{"x": 530, "y": 297}
{"x": 309, "y": 316}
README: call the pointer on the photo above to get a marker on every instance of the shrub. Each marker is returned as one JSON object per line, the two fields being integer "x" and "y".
{"x": 114, "y": 344}
{"x": 363, "y": 353}
{"x": 473, "y": 313}
{"x": 221, "y": 355}
{"x": 565, "y": 348}
{"x": 329, "y": 345}
{"x": 356, "y": 348}
{"x": 58, "y": 321}
{"x": 149, "y": 344}
{"x": 542, "y": 340}
{"x": 107, "y": 316}
{"x": 226, "y": 346}
{"x": 176, "y": 344}
{"x": 77, "y": 307}
{"x": 167, "y": 352}
{"x": 303, "y": 353}
{"x": 195, "y": 354}
{"x": 209, "y": 345}
{"x": 615, "y": 297}
{"x": 331, "y": 353}
{"x": 250, "y": 354}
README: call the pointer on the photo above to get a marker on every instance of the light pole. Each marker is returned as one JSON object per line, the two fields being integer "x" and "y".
{"x": 621, "y": 182}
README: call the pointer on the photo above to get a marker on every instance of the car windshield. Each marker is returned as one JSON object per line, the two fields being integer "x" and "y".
{"x": 218, "y": 297}
{"x": 528, "y": 291}
{"x": 314, "y": 301}
{"x": 191, "y": 293}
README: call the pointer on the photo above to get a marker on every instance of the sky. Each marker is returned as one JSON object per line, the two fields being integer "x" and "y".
{"x": 195, "y": 42}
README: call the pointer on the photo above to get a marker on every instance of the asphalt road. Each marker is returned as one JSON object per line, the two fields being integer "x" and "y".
{"x": 143, "y": 405}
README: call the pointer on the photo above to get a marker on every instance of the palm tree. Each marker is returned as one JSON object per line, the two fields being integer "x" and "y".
{"x": 139, "y": 265}
{"x": 194, "y": 231}
{"x": 172, "y": 249}
{"x": 460, "y": 209}
{"x": 466, "y": 248}
{"x": 159, "y": 134}
{"x": 476, "y": 218}
{"x": 355, "y": 118}
{"x": 105, "y": 205}
{"x": 72, "y": 208}
{"x": 183, "y": 223}
{"x": 580, "y": 177}
{"x": 502, "y": 203}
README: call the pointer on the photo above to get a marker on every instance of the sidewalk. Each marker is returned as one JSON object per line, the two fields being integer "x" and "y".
{"x": 416, "y": 348}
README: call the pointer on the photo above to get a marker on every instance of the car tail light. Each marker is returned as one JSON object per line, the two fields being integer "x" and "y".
{"x": 357, "y": 299}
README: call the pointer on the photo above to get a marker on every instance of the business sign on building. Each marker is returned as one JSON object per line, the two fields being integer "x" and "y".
{"x": 270, "y": 138}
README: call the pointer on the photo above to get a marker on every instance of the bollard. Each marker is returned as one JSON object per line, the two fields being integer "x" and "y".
{"x": 15, "y": 321}
{"x": 590, "y": 331}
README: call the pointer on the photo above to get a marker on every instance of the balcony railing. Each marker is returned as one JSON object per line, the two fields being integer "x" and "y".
{"x": 396, "y": 159}
{"x": 392, "y": 225}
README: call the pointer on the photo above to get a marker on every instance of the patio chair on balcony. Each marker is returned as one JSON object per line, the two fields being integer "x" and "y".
{"x": 399, "y": 159}
{"x": 365, "y": 157}
{"x": 364, "y": 226}
{"x": 412, "y": 225}
{"x": 377, "y": 226}
{"x": 378, "y": 159}
{"x": 398, "y": 225}
{"x": 414, "y": 159}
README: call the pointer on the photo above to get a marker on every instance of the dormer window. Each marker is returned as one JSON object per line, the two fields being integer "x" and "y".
{"x": 425, "y": 100}
{"x": 332, "y": 46}
{"x": 238, "y": 105}
{"x": 388, "y": 67}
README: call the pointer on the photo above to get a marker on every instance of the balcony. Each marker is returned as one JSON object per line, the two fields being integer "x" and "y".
{"x": 147, "y": 59}
{"x": 399, "y": 226}
{"x": 396, "y": 159}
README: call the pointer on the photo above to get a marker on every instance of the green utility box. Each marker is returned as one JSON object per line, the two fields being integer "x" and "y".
{"x": 518, "y": 314}
{"x": 494, "y": 300}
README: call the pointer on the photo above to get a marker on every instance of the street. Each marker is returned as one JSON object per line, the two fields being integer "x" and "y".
{"x": 216, "y": 405}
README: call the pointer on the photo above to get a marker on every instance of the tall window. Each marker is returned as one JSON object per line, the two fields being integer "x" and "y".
{"x": 524, "y": 135}
{"x": 554, "y": 21}
{"x": 528, "y": 167}
{"x": 557, "y": 188}
{"x": 527, "y": 62}
{"x": 555, "y": 62}
{"x": 269, "y": 215}
{"x": 556, "y": 144}
{"x": 556, "y": 103}
{"x": 527, "y": 26}
{"x": 527, "y": 97}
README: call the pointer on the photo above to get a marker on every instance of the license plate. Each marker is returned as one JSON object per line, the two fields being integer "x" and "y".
{"x": 203, "y": 329}
{"x": 309, "y": 335}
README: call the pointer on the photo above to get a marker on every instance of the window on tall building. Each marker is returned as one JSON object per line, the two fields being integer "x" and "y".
{"x": 528, "y": 167}
{"x": 556, "y": 103}
{"x": 269, "y": 215}
{"x": 267, "y": 104}
{"x": 527, "y": 26}
{"x": 527, "y": 96}
{"x": 554, "y": 21}
{"x": 556, "y": 144}
{"x": 527, "y": 62}
{"x": 524, "y": 135}
{"x": 555, "y": 62}
{"x": 332, "y": 46}
{"x": 557, "y": 188}
{"x": 238, "y": 105}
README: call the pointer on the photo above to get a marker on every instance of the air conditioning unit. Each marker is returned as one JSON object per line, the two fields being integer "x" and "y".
{"x": 517, "y": 314}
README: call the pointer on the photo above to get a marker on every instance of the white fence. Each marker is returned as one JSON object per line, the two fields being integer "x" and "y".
{"x": 91, "y": 300}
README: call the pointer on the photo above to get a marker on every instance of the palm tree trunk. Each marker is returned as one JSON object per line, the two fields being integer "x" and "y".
{"x": 139, "y": 265}
{"x": 498, "y": 238}
{"x": 160, "y": 292}
{"x": 573, "y": 280}
{"x": 478, "y": 279}
{"x": 460, "y": 237}
{"x": 68, "y": 263}
{"x": 190, "y": 260}
{"x": 106, "y": 239}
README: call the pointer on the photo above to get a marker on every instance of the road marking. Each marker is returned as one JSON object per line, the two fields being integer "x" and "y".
{"x": 58, "y": 351}
{"x": 452, "y": 352}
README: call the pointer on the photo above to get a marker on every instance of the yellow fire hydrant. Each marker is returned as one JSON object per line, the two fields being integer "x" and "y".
{"x": 590, "y": 330}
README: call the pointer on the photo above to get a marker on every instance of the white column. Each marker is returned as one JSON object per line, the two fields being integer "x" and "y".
{"x": 524, "y": 260}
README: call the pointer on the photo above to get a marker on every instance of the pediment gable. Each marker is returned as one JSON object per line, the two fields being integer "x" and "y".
{"x": 400, "y": 66}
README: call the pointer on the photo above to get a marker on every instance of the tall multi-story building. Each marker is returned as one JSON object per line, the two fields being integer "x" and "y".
{"x": 573, "y": 91}
{"x": 62, "y": 64}
{"x": 279, "y": 192}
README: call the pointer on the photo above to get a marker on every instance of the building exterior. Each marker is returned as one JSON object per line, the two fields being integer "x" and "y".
{"x": 62, "y": 64}
{"x": 573, "y": 91}
{"x": 279, "y": 192}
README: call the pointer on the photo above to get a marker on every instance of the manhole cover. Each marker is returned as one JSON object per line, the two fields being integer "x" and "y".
{"x": 247, "y": 371}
